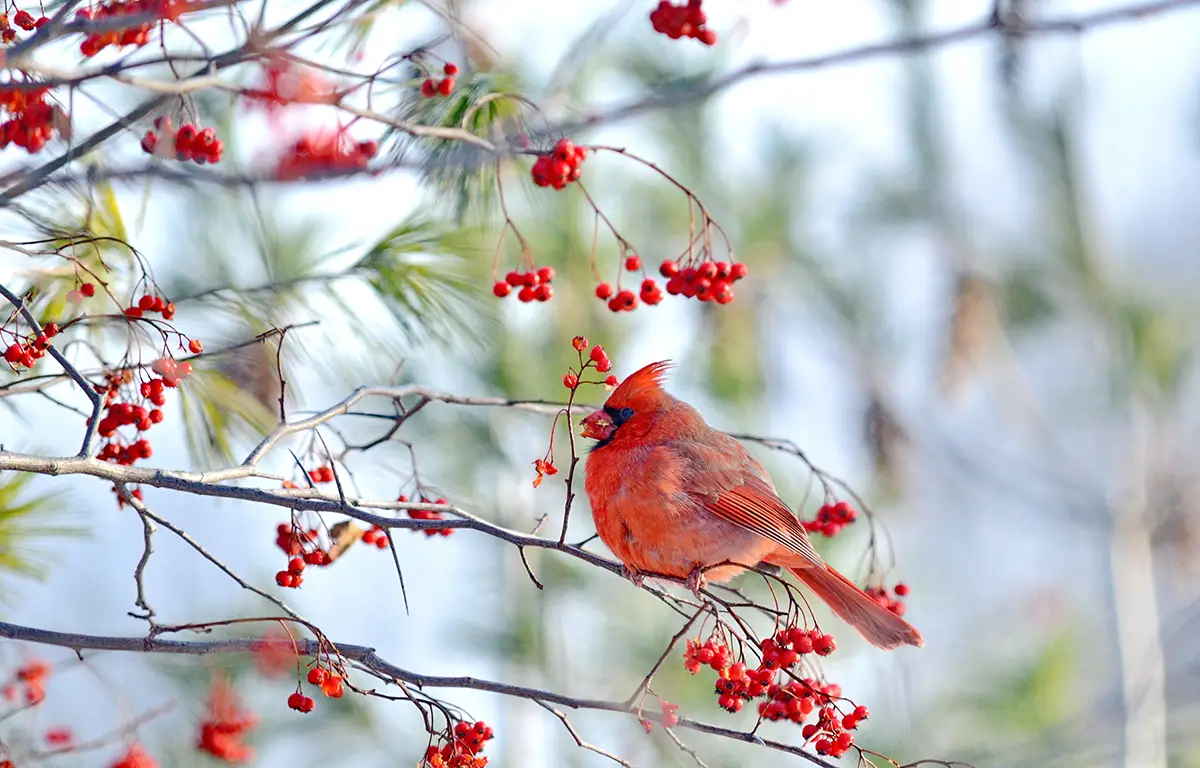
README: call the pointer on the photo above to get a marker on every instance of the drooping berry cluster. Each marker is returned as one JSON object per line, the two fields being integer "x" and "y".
{"x": 894, "y": 604}
{"x": 28, "y": 683}
{"x": 676, "y": 21}
{"x": 442, "y": 87}
{"x": 135, "y": 757}
{"x": 560, "y": 166}
{"x": 225, "y": 725}
{"x": 293, "y": 577}
{"x": 463, "y": 751}
{"x": 377, "y": 536}
{"x": 31, "y": 118}
{"x": 296, "y": 543}
{"x": 706, "y": 280}
{"x": 543, "y": 467}
{"x": 831, "y": 519}
{"x": 148, "y": 303}
{"x": 428, "y": 514}
{"x": 27, "y": 350}
{"x": 794, "y": 699}
{"x": 140, "y": 408}
{"x": 322, "y": 474}
{"x": 22, "y": 20}
{"x": 331, "y": 683}
{"x": 596, "y": 359}
{"x": 324, "y": 153}
{"x": 190, "y": 142}
{"x": 136, "y": 35}
{"x": 533, "y": 285}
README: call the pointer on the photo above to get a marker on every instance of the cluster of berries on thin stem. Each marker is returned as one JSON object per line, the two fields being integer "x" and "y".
{"x": 140, "y": 407}
{"x": 440, "y": 87}
{"x": 26, "y": 350}
{"x": 189, "y": 142}
{"x": 707, "y": 281}
{"x": 688, "y": 20}
{"x": 880, "y": 595}
{"x": 831, "y": 519}
{"x": 425, "y": 514}
{"x": 136, "y": 35}
{"x": 462, "y": 750}
{"x": 378, "y": 537}
{"x": 225, "y": 726}
{"x": 531, "y": 285}
{"x": 21, "y": 20}
{"x": 595, "y": 359}
{"x": 302, "y": 545}
{"x": 325, "y": 153}
{"x": 148, "y": 303}
{"x": 560, "y": 166}
{"x": 785, "y": 696}
{"x": 31, "y": 119}
{"x": 331, "y": 683}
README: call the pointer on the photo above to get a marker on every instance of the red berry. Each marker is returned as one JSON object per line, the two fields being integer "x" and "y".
{"x": 88, "y": 289}
{"x": 611, "y": 381}
{"x": 604, "y": 366}
{"x": 579, "y": 343}
{"x": 668, "y": 268}
{"x": 446, "y": 87}
{"x": 604, "y": 291}
{"x": 633, "y": 263}
{"x": 543, "y": 292}
{"x": 317, "y": 675}
{"x": 501, "y": 289}
{"x": 296, "y": 701}
{"x": 598, "y": 354}
{"x": 133, "y": 312}
{"x": 514, "y": 279}
{"x": 546, "y": 274}
{"x": 901, "y": 589}
{"x": 450, "y": 69}
{"x": 525, "y": 295}
{"x": 738, "y": 271}
{"x": 285, "y": 579}
{"x": 428, "y": 88}
{"x": 570, "y": 381}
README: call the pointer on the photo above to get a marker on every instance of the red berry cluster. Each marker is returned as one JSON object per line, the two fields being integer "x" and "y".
{"x": 736, "y": 683}
{"x": 148, "y": 303}
{"x": 831, "y": 519}
{"x": 706, "y": 281}
{"x": 224, "y": 727}
{"x": 331, "y": 684}
{"x": 322, "y": 474}
{"x": 421, "y": 514}
{"x": 84, "y": 291}
{"x": 135, "y": 757}
{"x": 23, "y": 20}
{"x": 463, "y": 752}
{"x": 676, "y": 21}
{"x": 560, "y": 166}
{"x": 533, "y": 285}
{"x": 324, "y": 153}
{"x": 137, "y": 35}
{"x": 443, "y": 87}
{"x": 376, "y": 536}
{"x": 288, "y": 83}
{"x": 832, "y": 730}
{"x": 125, "y": 406}
{"x": 294, "y": 575}
{"x": 31, "y": 118}
{"x": 29, "y": 683}
{"x": 300, "y": 544}
{"x": 894, "y": 604}
{"x": 200, "y": 145}
{"x": 797, "y": 699}
{"x": 26, "y": 351}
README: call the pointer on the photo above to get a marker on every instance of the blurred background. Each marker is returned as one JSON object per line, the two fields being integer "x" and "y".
{"x": 971, "y": 295}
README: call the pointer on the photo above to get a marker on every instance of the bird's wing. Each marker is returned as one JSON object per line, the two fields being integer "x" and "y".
{"x": 732, "y": 485}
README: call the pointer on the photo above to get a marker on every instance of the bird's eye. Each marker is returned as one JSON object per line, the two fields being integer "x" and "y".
{"x": 618, "y": 416}
{"x": 625, "y": 415}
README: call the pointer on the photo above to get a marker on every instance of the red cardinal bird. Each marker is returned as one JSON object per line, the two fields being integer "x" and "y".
{"x": 671, "y": 496}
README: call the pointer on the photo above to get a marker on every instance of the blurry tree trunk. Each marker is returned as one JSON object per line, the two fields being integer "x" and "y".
{"x": 1136, "y": 606}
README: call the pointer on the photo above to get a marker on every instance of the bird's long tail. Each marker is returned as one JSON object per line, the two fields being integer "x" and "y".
{"x": 877, "y": 624}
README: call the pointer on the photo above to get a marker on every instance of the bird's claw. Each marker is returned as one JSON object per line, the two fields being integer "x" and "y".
{"x": 696, "y": 582}
{"x": 634, "y": 575}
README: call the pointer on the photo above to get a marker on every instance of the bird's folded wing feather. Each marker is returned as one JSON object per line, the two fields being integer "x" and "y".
{"x": 734, "y": 486}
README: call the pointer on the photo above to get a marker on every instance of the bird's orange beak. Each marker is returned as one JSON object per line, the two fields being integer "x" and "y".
{"x": 597, "y": 426}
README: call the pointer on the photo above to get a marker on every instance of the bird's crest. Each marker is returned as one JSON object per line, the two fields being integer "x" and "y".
{"x": 642, "y": 388}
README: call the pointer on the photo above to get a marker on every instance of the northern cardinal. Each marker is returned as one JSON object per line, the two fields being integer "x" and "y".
{"x": 672, "y": 496}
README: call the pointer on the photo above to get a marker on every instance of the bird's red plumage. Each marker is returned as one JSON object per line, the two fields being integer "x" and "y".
{"x": 671, "y": 495}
